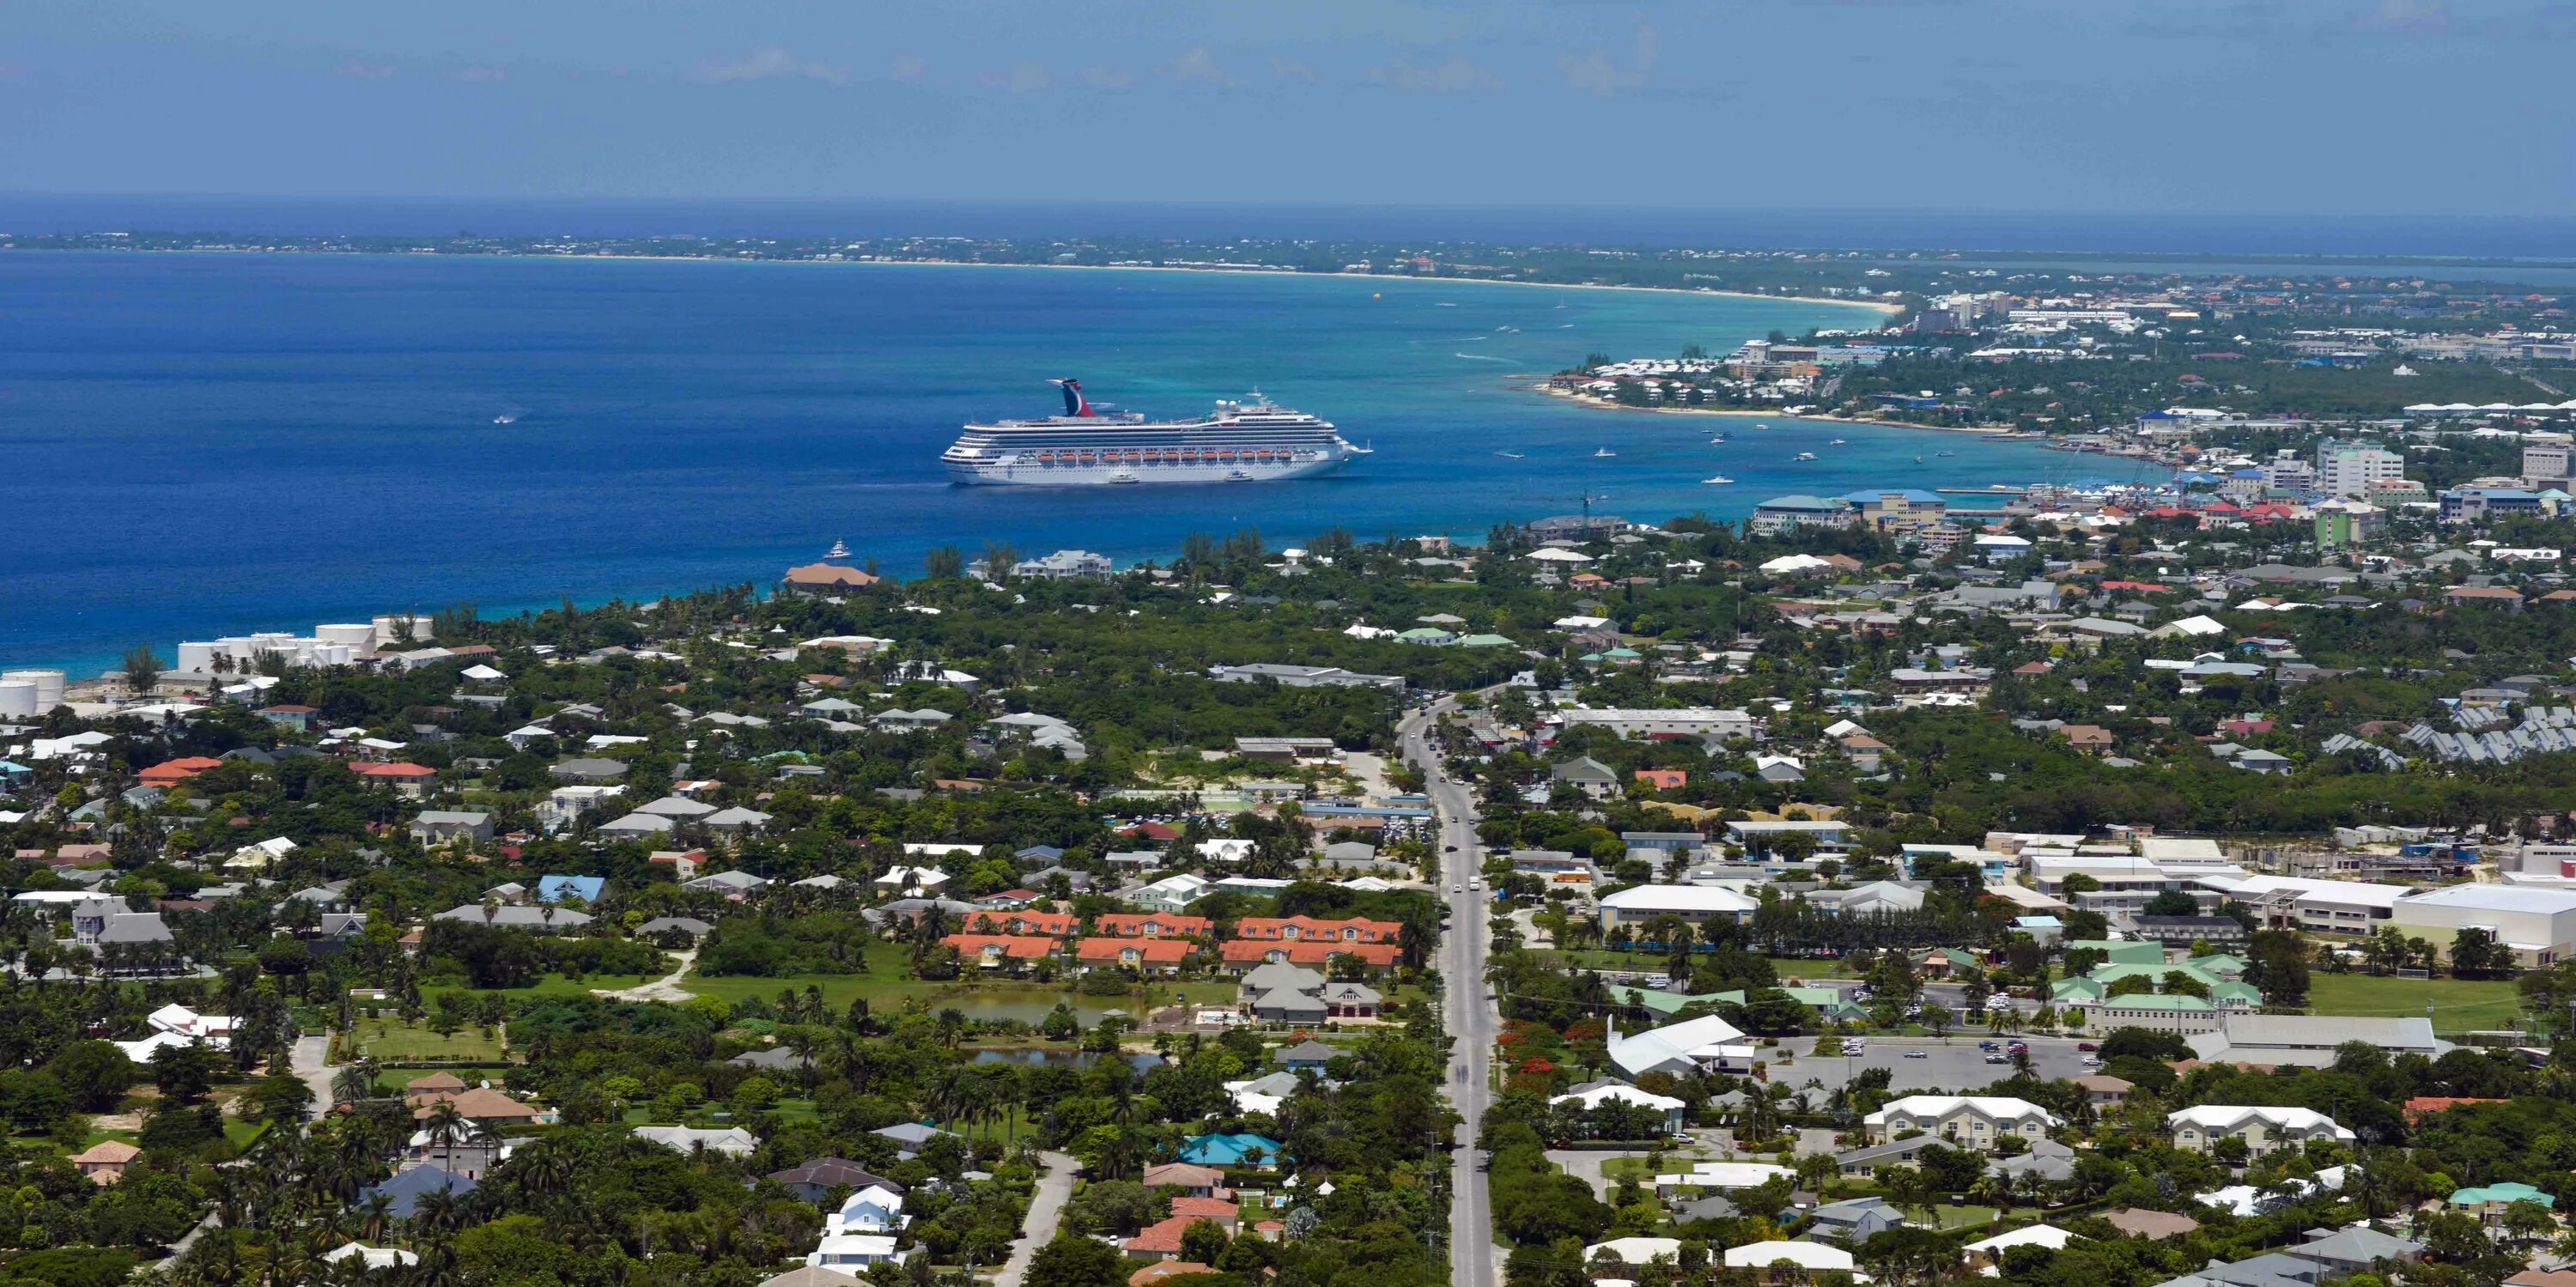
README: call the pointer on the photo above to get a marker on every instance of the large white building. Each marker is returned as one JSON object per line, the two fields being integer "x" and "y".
{"x": 1694, "y": 904}
{"x": 2347, "y": 907}
{"x": 1696, "y": 721}
{"x": 2349, "y": 468}
{"x": 2538, "y": 924}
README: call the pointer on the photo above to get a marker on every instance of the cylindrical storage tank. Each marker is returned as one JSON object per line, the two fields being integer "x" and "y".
{"x": 197, "y": 657}
{"x": 17, "y": 698}
{"x": 332, "y": 654}
{"x": 386, "y": 634}
{"x": 237, "y": 647}
{"x": 49, "y": 686}
{"x": 359, "y": 638}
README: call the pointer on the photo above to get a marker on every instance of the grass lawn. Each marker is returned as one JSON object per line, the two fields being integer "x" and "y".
{"x": 2459, "y": 1005}
{"x": 1602, "y": 958}
{"x": 392, "y": 1040}
{"x": 552, "y": 985}
{"x": 394, "y": 1081}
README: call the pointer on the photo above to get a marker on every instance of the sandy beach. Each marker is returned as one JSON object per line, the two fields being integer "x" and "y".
{"x": 1743, "y": 413}
{"x": 1880, "y": 306}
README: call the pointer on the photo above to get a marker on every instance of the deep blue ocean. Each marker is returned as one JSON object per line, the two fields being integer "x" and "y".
{"x": 213, "y": 444}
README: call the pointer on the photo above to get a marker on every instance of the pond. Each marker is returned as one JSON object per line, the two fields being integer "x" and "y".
{"x": 1031, "y": 1007}
{"x": 1059, "y": 1058}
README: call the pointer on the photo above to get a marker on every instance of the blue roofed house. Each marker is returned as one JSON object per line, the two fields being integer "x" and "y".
{"x": 554, "y": 889}
{"x": 1241, "y": 1150}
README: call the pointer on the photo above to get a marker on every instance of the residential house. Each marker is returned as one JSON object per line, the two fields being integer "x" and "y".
{"x": 445, "y": 826}
{"x": 2263, "y": 1128}
{"x": 1969, "y": 1121}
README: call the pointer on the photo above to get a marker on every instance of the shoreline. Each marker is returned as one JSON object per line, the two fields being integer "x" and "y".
{"x": 1747, "y": 413}
{"x": 1885, "y": 309}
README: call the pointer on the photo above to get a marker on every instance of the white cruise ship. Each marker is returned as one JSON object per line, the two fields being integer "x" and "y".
{"x": 1239, "y": 442}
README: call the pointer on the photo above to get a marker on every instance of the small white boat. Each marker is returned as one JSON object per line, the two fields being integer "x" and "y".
{"x": 1122, "y": 476}
{"x": 1604, "y": 454}
{"x": 1945, "y": 453}
{"x": 1719, "y": 478}
{"x": 1835, "y": 443}
{"x": 1918, "y": 460}
{"x": 838, "y": 551}
{"x": 1804, "y": 455}
{"x": 505, "y": 420}
{"x": 1509, "y": 455}
{"x": 1237, "y": 476}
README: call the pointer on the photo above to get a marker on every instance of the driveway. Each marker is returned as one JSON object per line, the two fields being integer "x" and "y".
{"x": 666, "y": 988}
{"x": 1046, "y": 1206}
{"x": 306, "y": 1059}
{"x": 1585, "y": 1164}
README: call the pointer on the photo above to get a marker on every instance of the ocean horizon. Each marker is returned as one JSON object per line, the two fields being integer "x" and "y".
{"x": 2263, "y": 237}
{"x": 209, "y": 444}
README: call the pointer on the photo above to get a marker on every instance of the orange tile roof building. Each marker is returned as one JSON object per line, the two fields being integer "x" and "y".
{"x": 1166, "y": 954}
{"x": 1048, "y": 924}
{"x": 990, "y": 950}
{"x": 173, "y": 772}
{"x": 1242, "y": 954}
{"x": 1307, "y": 929}
{"x": 1152, "y": 925}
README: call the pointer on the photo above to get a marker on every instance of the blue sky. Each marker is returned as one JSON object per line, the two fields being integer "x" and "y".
{"x": 2327, "y": 106}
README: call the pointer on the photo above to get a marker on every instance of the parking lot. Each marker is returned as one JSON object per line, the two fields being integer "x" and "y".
{"x": 1954, "y": 1064}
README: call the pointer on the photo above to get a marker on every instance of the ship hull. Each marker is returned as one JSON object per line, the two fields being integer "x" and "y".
{"x": 1025, "y": 472}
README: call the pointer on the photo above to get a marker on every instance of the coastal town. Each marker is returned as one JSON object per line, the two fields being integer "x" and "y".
{"x": 2155, "y": 884}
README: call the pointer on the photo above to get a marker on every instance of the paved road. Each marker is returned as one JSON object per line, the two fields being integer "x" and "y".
{"x": 306, "y": 1059}
{"x": 1055, "y": 1188}
{"x": 1472, "y": 1018}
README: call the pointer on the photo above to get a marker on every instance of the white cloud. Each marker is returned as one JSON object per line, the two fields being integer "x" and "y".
{"x": 769, "y": 62}
{"x": 1198, "y": 67}
{"x": 1024, "y": 78}
{"x": 1290, "y": 69}
{"x": 1594, "y": 73}
{"x": 1106, "y": 78}
{"x": 1456, "y": 76}
{"x": 353, "y": 69}
{"x": 909, "y": 67}
{"x": 479, "y": 74}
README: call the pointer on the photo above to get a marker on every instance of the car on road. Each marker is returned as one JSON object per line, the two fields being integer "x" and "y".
{"x": 1916, "y": 1054}
{"x": 2092, "y": 1061}
{"x": 1990, "y": 1045}
{"x": 1457, "y": 889}
{"x": 2087, "y": 1047}
{"x": 1998, "y": 1058}
{"x": 1450, "y": 850}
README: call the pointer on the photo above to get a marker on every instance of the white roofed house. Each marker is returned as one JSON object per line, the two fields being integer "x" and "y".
{"x": 1708, "y": 1043}
{"x": 2262, "y": 1128}
{"x": 1972, "y": 1121}
{"x": 1591, "y": 1097}
{"x": 912, "y": 882}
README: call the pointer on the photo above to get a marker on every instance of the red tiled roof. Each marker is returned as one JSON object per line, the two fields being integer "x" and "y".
{"x": 402, "y": 769}
{"x": 1307, "y": 929}
{"x": 1664, "y": 779}
{"x": 1050, "y": 924}
{"x": 1013, "y": 947}
{"x": 178, "y": 770}
{"x": 1308, "y": 952}
{"x": 1146, "y": 951}
{"x": 1151, "y": 925}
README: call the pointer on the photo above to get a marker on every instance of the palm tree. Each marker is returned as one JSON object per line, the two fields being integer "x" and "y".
{"x": 375, "y": 1217}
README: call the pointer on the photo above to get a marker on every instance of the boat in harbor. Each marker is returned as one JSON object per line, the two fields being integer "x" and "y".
{"x": 1835, "y": 443}
{"x": 1717, "y": 478}
{"x": 839, "y": 550}
{"x": 1509, "y": 455}
{"x": 1604, "y": 454}
{"x": 1252, "y": 440}
{"x": 1804, "y": 455}
{"x": 1945, "y": 453}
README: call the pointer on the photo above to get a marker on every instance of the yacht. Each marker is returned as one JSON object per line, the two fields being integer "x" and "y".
{"x": 1717, "y": 478}
{"x": 1604, "y": 454}
{"x": 1804, "y": 455}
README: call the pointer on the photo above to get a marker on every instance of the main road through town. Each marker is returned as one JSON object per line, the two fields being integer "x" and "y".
{"x": 1468, "y": 1006}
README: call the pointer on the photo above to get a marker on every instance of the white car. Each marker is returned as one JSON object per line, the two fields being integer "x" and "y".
{"x": 1455, "y": 889}
{"x": 1916, "y": 1054}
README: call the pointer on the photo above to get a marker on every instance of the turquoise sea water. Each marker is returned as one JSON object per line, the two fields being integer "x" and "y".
{"x": 207, "y": 444}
